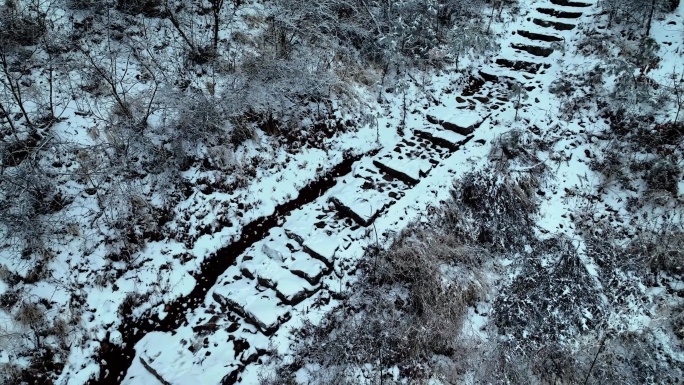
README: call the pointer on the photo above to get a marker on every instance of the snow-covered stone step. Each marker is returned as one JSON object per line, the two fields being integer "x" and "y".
{"x": 458, "y": 122}
{"x": 520, "y": 39}
{"x": 334, "y": 220}
{"x": 559, "y": 13}
{"x": 406, "y": 169}
{"x": 520, "y": 65}
{"x": 414, "y": 157}
{"x": 323, "y": 247}
{"x": 533, "y": 49}
{"x": 543, "y": 37}
{"x": 556, "y": 25}
{"x": 516, "y": 55}
{"x": 506, "y": 74}
{"x": 465, "y": 102}
{"x": 364, "y": 195}
{"x": 489, "y": 98}
{"x": 332, "y": 247}
{"x": 474, "y": 84}
{"x": 280, "y": 247}
{"x": 178, "y": 360}
{"x": 358, "y": 200}
{"x": 444, "y": 138}
{"x": 307, "y": 267}
{"x": 290, "y": 289}
{"x": 258, "y": 306}
{"x": 316, "y": 243}
{"x": 571, "y": 3}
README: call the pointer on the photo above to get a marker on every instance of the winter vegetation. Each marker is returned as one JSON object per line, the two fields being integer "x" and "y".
{"x": 341, "y": 192}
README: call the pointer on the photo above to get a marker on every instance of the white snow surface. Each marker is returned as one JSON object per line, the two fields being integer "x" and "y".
{"x": 284, "y": 259}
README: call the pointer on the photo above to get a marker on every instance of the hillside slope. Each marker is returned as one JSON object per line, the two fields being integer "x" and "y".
{"x": 251, "y": 227}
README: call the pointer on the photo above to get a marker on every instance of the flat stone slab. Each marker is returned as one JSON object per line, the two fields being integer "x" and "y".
{"x": 157, "y": 349}
{"x": 463, "y": 123}
{"x": 307, "y": 267}
{"x": 261, "y": 308}
{"x": 323, "y": 247}
{"x": 368, "y": 191}
{"x": 570, "y": 3}
{"x": 445, "y": 138}
{"x": 519, "y": 65}
{"x": 540, "y": 36}
{"x": 558, "y": 26}
{"x": 291, "y": 289}
{"x": 559, "y": 13}
{"x": 404, "y": 167}
{"x": 533, "y": 49}
{"x": 359, "y": 200}
{"x": 280, "y": 247}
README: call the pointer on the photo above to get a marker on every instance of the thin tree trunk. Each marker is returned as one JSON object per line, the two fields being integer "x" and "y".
{"x": 177, "y": 25}
{"x": 593, "y": 363}
{"x": 650, "y": 17}
{"x": 14, "y": 87}
{"x": 216, "y": 6}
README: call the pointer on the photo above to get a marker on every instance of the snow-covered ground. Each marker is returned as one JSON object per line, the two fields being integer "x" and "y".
{"x": 299, "y": 270}
{"x": 301, "y": 266}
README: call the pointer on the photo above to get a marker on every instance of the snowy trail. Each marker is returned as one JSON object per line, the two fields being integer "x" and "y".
{"x": 301, "y": 260}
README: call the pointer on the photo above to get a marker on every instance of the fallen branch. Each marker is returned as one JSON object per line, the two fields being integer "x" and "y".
{"x": 153, "y": 372}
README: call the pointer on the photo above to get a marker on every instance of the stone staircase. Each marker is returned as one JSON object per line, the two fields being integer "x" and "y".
{"x": 300, "y": 265}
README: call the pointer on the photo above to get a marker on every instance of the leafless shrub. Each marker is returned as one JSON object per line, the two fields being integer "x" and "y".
{"x": 150, "y": 8}
{"x": 61, "y": 330}
{"x": 20, "y": 27}
{"x": 664, "y": 175}
{"x": 634, "y": 358}
{"x": 660, "y": 251}
{"x": 28, "y": 198}
{"x": 515, "y": 150}
{"x": 647, "y": 253}
{"x": 678, "y": 323}
{"x": 624, "y": 358}
{"x": 9, "y": 277}
{"x": 205, "y": 123}
{"x": 614, "y": 168}
{"x": 84, "y": 4}
{"x": 8, "y": 300}
{"x": 29, "y": 314}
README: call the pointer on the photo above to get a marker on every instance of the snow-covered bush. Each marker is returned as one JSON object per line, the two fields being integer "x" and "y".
{"x": 637, "y": 14}
{"x": 664, "y": 175}
{"x": 386, "y": 34}
{"x": 495, "y": 210}
{"x": 84, "y": 4}
{"x": 553, "y": 297}
{"x": 150, "y": 8}
{"x": 410, "y": 309}
{"x": 599, "y": 358}
{"x": 28, "y": 198}
{"x": 22, "y": 24}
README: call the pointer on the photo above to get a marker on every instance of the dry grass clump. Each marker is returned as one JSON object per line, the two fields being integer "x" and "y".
{"x": 493, "y": 210}
{"x": 409, "y": 307}
{"x": 29, "y": 314}
{"x": 552, "y": 299}
{"x": 603, "y": 357}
